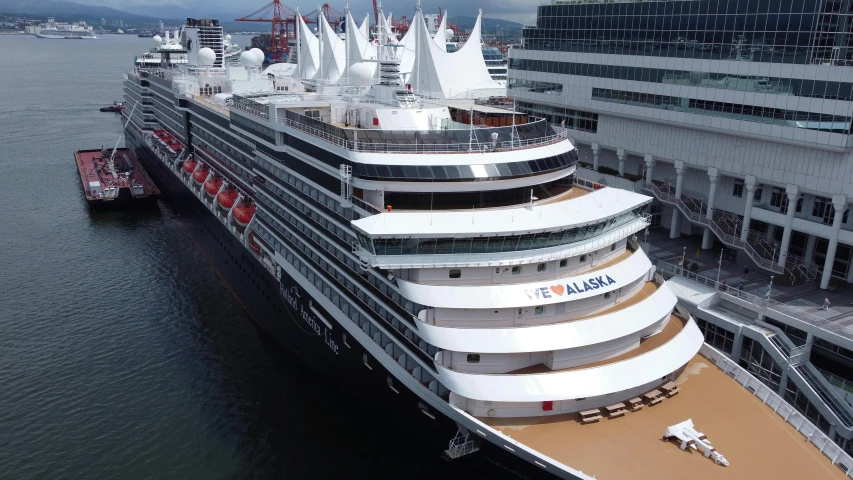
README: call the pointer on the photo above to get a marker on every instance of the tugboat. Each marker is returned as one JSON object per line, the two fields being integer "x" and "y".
{"x": 116, "y": 107}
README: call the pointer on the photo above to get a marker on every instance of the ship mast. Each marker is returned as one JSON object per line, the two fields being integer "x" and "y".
{"x": 110, "y": 164}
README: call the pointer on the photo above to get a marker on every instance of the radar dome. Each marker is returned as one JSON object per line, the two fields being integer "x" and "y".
{"x": 360, "y": 74}
{"x": 260, "y": 55}
{"x": 158, "y": 40}
{"x": 227, "y": 37}
{"x": 449, "y": 33}
{"x": 248, "y": 58}
{"x": 206, "y": 57}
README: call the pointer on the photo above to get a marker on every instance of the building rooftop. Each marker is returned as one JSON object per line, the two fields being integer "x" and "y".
{"x": 757, "y": 442}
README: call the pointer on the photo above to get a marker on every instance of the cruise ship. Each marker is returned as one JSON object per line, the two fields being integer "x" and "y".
{"x": 435, "y": 254}
{"x": 62, "y": 30}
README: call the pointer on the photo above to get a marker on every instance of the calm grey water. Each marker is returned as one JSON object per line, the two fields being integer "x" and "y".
{"x": 122, "y": 355}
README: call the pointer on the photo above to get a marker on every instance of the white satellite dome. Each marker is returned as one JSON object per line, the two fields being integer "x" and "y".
{"x": 227, "y": 37}
{"x": 448, "y": 34}
{"x": 248, "y": 59}
{"x": 158, "y": 40}
{"x": 259, "y": 54}
{"x": 360, "y": 74}
{"x": 206, "y": 57}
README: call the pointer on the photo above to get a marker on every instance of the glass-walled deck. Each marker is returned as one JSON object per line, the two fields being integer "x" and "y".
{"x": 496, "y": 244}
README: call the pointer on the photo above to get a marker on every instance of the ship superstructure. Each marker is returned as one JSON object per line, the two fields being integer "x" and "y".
{"x": 411, "y": 241}
{"x": 62, "y": 30}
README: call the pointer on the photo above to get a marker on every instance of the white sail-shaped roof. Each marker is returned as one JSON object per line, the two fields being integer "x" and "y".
{"x": 365, "y": 26}
{"x": 441, "y": 37}
{"x": 309, "y": 50}
{"x": 406, "y": 52}
{"x": 451, "y": 75}
{"x": 359, "y": 48}
{"x": 333, "y": 53}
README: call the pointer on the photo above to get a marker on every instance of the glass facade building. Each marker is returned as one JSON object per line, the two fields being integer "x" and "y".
{"x": 776, "y": 31}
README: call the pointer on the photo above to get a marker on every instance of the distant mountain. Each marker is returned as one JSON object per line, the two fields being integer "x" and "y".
{"x": 63, "y": 10}
{"x": 488, "y": 25}
{"x": 178, "y": 12}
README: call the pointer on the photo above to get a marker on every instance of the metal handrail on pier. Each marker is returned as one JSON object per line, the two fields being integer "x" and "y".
{"x": 727, "y": 239}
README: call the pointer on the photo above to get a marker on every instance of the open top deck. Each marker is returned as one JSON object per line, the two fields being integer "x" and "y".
{"x": 757, "y": 442}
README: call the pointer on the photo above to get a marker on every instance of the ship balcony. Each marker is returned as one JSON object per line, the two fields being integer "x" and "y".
{"x": 655, "y": 357}
{"x": 609, "y": 278}
{"x": 500, "y": 235}
{"x": 565, "y": 267}
{"x": 620, "y": 317}
{"x": 383, "y": 140}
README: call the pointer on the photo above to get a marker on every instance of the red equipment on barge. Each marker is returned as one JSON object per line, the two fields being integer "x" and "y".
{"x": 114, "y": 178}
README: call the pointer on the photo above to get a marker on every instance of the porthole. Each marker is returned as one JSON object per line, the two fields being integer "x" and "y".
{"x": 455, "y": 273}
{"x": 473, "y": 358}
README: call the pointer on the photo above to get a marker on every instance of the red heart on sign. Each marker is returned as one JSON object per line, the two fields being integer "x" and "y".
{"x": 558, "y": 289}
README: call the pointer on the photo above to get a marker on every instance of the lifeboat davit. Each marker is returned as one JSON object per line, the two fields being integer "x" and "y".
{"x": 226, "y": 199}
{"x": 189, "y": 165}
{"x": 213, "y": 185}
{"x": 243, "y": 213}
{"x": 201, "y": 174}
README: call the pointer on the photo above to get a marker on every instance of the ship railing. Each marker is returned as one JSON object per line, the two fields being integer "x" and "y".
{"x": 368, "y": 207}
{"x": 587, "y": 184}
{"x": 208, "y": 104}
{"x": 769, "y": 397}
{"x": 412, "y": 144}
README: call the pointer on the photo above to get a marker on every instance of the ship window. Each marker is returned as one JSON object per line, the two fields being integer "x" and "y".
{"x": 613, "y": 247}
{"x": 312, "y": 113}
{"x": 516, "y": 270}
{"x": 473, "y": 358}
{"x": 564, "y": 263}
{"x": 539, "y": 310}
{"x": 455, "y": 273}
{"x": 541, "y": 267}
{"x": 582, "y": 258}
{"x": 607, "y": 295}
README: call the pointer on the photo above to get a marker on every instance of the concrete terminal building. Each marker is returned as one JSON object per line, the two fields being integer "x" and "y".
{"x": 735, "y": 115}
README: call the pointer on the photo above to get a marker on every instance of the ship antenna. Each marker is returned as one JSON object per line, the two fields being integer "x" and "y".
{"x": 514, "y": 132}
{"x": 431, "y": 195}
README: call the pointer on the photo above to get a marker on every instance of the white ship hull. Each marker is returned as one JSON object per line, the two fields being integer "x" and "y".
{"x": 56, "y": 36}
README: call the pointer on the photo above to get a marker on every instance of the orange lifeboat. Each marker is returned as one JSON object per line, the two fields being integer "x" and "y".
{"x": 201, "y": 174}
{"x": 253, "y": 244}
{"x": 243, "y": 213}
{"x": 226, "y": 199}
{"x": 213, "y": 185}
{"x": 190, "y": 165}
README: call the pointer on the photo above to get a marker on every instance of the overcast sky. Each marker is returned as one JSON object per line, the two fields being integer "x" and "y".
{"x": 522, "y": 11}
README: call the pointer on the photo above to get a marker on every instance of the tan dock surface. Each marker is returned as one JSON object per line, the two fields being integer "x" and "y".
{"x": 755, "y": 440}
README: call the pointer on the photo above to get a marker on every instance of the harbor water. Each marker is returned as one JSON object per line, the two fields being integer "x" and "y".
{"x": 122, "y": 354}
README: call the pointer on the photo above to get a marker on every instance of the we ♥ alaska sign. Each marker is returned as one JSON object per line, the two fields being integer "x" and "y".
{"x": 569, "y": 288}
